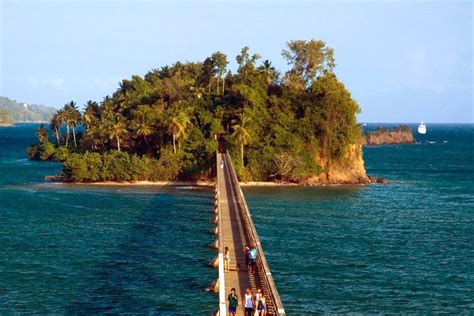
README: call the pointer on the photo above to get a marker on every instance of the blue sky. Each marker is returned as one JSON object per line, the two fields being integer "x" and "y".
{"x": 403, "y": 61}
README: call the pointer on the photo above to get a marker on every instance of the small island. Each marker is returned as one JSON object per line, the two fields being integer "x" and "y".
{"x": 295, "y": 127}
{"x": 382, "y": 136}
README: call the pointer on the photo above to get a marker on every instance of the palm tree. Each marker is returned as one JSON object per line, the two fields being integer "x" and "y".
{"x": 177, "y": 123}
{"x": 72, "y": 119}
{"x": 55, "y": 124}
{"x": 142, "y": 126}
{"x": 117, "y": 129}
{"x": 267, "y": 71}
{"x": 94, "y": 138}
{"x": 42, "y": 134}
{"x": 91, "y": 114}
{"x": 241, "y": 135}
{"x": 63, "y": 117}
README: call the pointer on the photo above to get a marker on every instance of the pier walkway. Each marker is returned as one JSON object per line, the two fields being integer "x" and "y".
{"x": 235, "y": 229}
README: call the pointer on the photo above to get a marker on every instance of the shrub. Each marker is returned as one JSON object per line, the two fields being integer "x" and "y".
{"x": 94, "y": 164}
{"x": 42, "y": 151}
{"x": 169, "y": 165}
{"x": 75, "y": 169}
{"x": 46, "y": 151}
{"x": 60, "y": 154}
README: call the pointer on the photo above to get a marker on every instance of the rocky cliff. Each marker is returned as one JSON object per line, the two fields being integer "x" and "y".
{"x": 348, "y": 170}
{"x": 383, "y": 136}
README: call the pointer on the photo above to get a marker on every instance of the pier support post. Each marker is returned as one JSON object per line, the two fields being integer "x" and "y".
{"x": 215, "y": 286}
{"x": 215, "y": 244}
{"x": 214, "y": 262}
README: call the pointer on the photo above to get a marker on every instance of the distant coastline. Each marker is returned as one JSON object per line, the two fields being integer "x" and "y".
{"x": 22, "y": 122}
{"x": 31, "y": 122}
{"x": 19, "y": 112}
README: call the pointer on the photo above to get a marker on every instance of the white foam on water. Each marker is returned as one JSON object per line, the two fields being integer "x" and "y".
{"x": 190, "y": 187}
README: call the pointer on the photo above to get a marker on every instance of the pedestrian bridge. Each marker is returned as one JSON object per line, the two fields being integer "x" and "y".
{"x": 235, "y": 229}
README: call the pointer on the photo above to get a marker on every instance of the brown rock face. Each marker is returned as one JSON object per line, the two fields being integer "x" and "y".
{"x": 382, "y": 136}
{"x": 349, "y": 170}
{"x": 377, "y": 180}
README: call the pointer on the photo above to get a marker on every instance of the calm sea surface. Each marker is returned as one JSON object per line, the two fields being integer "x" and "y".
{"x": 406, "y": 247}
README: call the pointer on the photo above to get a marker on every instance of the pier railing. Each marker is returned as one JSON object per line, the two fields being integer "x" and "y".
{"x": 274, "y": 304}
{"x": 221, "y": 280}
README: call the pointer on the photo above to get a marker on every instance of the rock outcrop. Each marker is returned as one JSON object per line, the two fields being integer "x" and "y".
{"x": 383, "y": 136}
{"x": 348, "y": 170}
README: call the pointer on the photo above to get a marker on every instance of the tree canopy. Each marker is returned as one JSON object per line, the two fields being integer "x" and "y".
{"x": 276, "y": 125}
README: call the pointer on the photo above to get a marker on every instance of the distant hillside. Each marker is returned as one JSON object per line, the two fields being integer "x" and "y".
{"x": 13, "y": 111}
{"x": 5, "y": 117}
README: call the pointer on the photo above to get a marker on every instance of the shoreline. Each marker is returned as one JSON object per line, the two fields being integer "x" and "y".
{"x": 22, "y": 122}
{"x": 202, "y": 184}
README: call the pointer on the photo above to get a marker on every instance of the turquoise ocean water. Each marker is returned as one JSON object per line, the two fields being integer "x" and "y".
{"x": 406, "y": 247}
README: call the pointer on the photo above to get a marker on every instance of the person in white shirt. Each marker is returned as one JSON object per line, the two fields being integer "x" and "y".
{"x": 248, "y": 302}
{"x": 226, "y": 260}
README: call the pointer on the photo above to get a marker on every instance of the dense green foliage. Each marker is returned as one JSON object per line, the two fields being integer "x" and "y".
{"x": 383, "y": 130}
{"x": 121, "y": 166}
{"x": 44, "y": 149}
{"x": 162, "y": 126}
{"x": 21, "y": 112}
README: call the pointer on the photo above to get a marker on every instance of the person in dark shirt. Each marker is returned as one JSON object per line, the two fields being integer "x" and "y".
{"x": 247, "y": 257}
{"x": 233, "y": 302}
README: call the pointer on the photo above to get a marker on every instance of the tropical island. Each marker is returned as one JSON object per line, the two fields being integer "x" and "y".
{"x": 294, "y": 127}
{"x": 12, "y": 112}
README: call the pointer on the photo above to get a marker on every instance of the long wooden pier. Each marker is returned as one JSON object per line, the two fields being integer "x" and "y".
{"x": 235, "y": 229}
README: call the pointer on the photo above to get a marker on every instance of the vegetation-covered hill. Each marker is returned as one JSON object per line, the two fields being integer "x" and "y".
{"x": 5, "y": 117}
{"x": 22, "y": 112}
{"x": 298, "y": 126}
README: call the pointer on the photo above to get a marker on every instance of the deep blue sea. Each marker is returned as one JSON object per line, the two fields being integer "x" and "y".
{"x": 405, "y": 247}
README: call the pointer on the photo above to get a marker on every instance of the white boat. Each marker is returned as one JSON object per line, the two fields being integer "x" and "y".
{"x": 422, "y": 128}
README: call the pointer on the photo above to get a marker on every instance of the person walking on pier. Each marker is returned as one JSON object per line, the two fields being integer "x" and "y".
{"x": 247, "y": 257}
{"x": 233, "y": 302}
{"x": 226, "y": 260}
{"x": 248, "y": 303}
{"x": 260, "y": 302}
{"x": 252, "y": 259}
